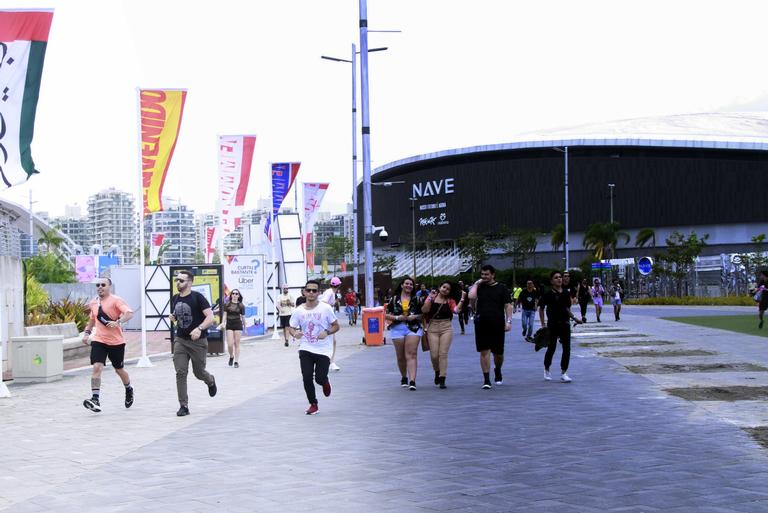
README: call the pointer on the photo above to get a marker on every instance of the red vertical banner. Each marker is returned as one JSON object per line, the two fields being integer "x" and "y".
{"x": 210, "y": 243}
{"x": 235, "y": 159}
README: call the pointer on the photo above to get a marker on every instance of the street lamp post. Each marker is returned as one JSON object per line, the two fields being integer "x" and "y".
{"x": 366, "y": 133}
{"x": 610, "y": 189}
{"x": 564, "y": 150}
{"x": 413, "y": 234}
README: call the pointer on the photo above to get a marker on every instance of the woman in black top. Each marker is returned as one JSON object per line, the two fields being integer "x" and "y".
{"x": 439, "y": 309}
{"x": 584, "y": 295}
{"x": 234, "y": 321}
{"x": 404, "y": 310}
{"x": 557, "y": 302}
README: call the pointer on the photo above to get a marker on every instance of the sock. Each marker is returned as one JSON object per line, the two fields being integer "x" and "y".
{"x": 95, "y": 387}
{"x": 497, "y": 372}
{"x": 127, "y": 386}
{"x": 487, "y": 377}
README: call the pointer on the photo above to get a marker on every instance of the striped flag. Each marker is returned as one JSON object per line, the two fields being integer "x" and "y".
{"x": 23, "y": 41}
{"x": 235, "y": 156}
{"x": 283, "y": 176}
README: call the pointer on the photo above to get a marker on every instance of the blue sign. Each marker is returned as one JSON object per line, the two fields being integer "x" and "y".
{"x": 373, "y": 325}
{"x": 645, "y": 265}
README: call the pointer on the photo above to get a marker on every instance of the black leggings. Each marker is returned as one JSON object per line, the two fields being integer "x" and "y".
{"x": 583, "y": 305}
{"x": 317, "y": 365}
{"x": 562, "y": 331}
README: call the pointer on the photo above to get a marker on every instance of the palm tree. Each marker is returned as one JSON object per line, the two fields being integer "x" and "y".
{"x": 558, "y": 236}
{"x": 645, "y": 236}
{"x": 600, "y": 237}
{"x": 51, "y": 241}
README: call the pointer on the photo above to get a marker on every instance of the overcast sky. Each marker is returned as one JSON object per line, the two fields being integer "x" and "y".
{"x": 460, "y": 74}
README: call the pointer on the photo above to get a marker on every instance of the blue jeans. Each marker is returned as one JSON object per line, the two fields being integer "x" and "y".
{"x": 528, "y": 320}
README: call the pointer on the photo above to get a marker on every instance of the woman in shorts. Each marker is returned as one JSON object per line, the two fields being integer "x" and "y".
{"x": 404, "y": 310}
{"x": 233, "y": 322}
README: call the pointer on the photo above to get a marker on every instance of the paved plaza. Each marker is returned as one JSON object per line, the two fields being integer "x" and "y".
{"x": 611, "y": 441}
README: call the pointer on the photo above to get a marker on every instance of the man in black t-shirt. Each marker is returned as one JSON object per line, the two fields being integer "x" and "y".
{"x": 493, "y": 315}
{"x": 528, "y": 299}
{"x": 192, "y": 314}
{"x": 557, "y": 303}
{"x": 571, "y": 289}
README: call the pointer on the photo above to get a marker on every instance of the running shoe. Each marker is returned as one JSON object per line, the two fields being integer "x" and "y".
{"x": 442, "y": 382}
{"x": 327, "y": 389}
{"x": 497, "y": 377}
{"x": 412, "y": 385}
{"x": 183, "y": 411}
{"x": 404, "y": 382}
{"x": 487, "y": 385}
{"x": 334, "y": 367}
{"x": 437, "y": 378}
{"x": 565, "y": 378}
{"x": 128, "y": 397}
{"x": 92, "y": 404}
{"x": 286, "y": 343}
{"x": 212, "y": 389}
{"x": 230, "y": 361}
{"x": 312, "y": 410}
{"x": 547, "y": 376}
{"x": 237, "y": 365}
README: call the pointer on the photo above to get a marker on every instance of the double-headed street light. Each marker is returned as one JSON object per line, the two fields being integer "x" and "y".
{"x": 352, "y": 61}
{"x": 564, "y": 150}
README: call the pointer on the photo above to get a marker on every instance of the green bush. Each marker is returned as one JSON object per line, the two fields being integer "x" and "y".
{"x": 693, "y": 300}
{"x": 36, "y": 296}
{"x": 59, "y": 312}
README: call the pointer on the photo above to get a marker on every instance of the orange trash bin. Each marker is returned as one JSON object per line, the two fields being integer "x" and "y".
{"x": 373, "y": 326}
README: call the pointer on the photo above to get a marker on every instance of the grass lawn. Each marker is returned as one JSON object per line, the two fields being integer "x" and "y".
{"x": 738, "y": 323}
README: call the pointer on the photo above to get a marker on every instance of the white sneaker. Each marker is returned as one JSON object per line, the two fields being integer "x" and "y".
{"x": 547, "y": 376}
{"x": 334, "y": 367}
{"x": 565, "y": 379}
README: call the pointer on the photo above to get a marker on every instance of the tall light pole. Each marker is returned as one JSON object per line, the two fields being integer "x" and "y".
{"x": 610, "y": 189}
{"x": 353, "y": 61}
{"x": 366, "y": 132}
{"x": 413, "y": 234}
{"x": 564, "y": 150}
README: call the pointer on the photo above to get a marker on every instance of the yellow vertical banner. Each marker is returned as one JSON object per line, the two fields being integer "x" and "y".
{"x": 161, "y": 112}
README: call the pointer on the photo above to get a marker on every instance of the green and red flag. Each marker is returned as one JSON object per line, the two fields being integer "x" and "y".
{"x": 23, "y": 41}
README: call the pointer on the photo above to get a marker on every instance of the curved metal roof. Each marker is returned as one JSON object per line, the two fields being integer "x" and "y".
{"x": 18, "y": 217}
{"x": 727, "y": 130}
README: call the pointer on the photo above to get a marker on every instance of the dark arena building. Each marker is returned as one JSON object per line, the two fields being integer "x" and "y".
{"x": 701, "y": 172}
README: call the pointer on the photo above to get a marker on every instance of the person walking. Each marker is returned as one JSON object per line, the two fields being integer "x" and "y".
{"x": 597, "y": 292}
{"x": 350, "y": 306}
{"x": 529, "y": 299}
{"x": 192, "y": 315}
{"x": 439, "y": 308}
{"x": 516, "y": 291}
{"x": 233, "y": 322}
{"x": 616, "y": 293}
{"x": 463, "y": 312}
{"x": 285, "y": 306}
{"x": 761, "y": 296}
{"x": 301, "y": 299}
{"x": 312, "y": 324}
{"x": 404, "y": 310}
{"x": 583, "y": 295}
{"x": 104, "y": 333}
{"x": 493, "y": 318}
{"x": 557, "y": 303}
{"x": 331, "y": 297}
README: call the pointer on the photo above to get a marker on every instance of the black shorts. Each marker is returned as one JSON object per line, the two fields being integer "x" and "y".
{"x": 285, "y": 321}
{"x": 100, "y": 352}
{"x": 489, "y": 335}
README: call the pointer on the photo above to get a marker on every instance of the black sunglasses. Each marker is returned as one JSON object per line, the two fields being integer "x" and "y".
{"x": 312, "y": 290}
{"x": 179, "y": 280}
{"x": 102, "y": 284}
{"x": 235, "y": 293}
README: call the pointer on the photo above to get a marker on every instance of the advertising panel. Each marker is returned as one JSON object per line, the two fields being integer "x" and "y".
{"x": 246, "y": 274}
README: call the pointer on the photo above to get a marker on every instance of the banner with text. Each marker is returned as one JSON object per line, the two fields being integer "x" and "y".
{"x": 161, "y": 113}
{"x": 23, "y": 41}
{"x": 246, "y": 274}
{"x": 156, "y": 240}
{"x": 283, "y": 175}
{"x": 235, "y": 157}
{"x": 313, "y": 197}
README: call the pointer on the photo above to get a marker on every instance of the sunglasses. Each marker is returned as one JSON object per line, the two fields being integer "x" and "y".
{"x": 178, "y": 280}
{"x": 235, "y": 293}
{"x": 102, "y": 284}
{"x": 314, "y": 291}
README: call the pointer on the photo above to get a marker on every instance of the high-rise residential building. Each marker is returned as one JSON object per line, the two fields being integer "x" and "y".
{"x": 326, "y": 226}
{"x": 76, "y": 228}
{"x": 113, "y": 221}
{"x": 177, "y": 223}
{"x": 233, "y": 241}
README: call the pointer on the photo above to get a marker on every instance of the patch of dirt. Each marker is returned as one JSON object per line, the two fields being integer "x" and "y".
{"x": 670, "y": 368}
{"x": 759, "y": 434}
{"x": 631, "y": 343}
{"x": 656, "y": 354}
{"x": 730, "y": 394}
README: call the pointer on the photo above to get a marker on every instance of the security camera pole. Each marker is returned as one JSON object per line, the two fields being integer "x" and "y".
{"x": 366, "y": 133}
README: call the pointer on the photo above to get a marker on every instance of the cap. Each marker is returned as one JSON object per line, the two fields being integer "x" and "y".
{"x": 335, "y": 282}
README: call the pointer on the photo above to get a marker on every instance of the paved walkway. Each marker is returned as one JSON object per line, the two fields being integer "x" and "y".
{"x": 610, "y": 441}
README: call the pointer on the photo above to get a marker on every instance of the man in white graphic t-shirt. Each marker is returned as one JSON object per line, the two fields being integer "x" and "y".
{"x": 311, "y": 324}
{"x": 330, "y": 297}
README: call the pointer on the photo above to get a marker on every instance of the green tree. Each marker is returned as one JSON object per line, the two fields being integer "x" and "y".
{"x": 336, "y": 247}
{"x": 644, "y": 237}
{"x": 755, "y": 259}
{"x": 679, "y": 258}
{"x": 50, "y": 268}
{"x": 603, "y": 237}
{"x": 50, "y": 241}
{"x": 518, "y": 245}
{"x": 558, "y": 237}
{"x": 475, "y": 247}
{"x": 384, "y": 262}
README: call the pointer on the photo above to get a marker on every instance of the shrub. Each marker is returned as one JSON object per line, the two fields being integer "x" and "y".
{"x": 36, "y": 296}
{"x": 694, "y": 300}
{"x": 59, "y": 312}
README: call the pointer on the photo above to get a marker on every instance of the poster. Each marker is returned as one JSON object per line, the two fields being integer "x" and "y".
{"x": 85, "y": 268}
{"x": 246, "y": 274}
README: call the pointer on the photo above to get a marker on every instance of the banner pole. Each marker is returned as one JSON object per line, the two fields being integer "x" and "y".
{"x": 144, "y": 361}
{"x": 275, "y": 336}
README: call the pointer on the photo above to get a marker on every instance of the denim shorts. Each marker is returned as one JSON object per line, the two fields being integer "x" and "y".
{"x": 401, "y": 330}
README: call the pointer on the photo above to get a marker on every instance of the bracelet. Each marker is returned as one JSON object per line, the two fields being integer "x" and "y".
{"x": 87, "y": 332}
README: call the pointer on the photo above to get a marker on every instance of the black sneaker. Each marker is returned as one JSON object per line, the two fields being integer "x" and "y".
{"x": 128, "y": 397}
{"x": 286, "y": 343}
{"x": 212, "y": 389}
{"x": 404, "y": 382}
{"x": 487, "y": 385}
{"x": 437, "y": 378}
{"x": 442, "y": 382}
{"x": 92, "y": 404}
{"x": 412, "y": 385}
{"x": 230, "y": 361}
{"x": 497, "y": 377}
{"x": 183, "y": 411}
{"x": 237, "y": 365}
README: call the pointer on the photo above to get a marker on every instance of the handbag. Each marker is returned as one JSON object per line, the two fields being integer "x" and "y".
{"x": 424, "y": 337}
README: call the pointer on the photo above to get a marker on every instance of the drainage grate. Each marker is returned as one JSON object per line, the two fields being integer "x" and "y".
{"x": 656, "y": 354}
{"x": 629, "y": 343}
{"x": 670, "y": 368}
{"x": 730, "y": 394}
{"x": 759, "y": 434}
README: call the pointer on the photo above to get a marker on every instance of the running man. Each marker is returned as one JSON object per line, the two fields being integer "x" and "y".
{"x": 493, "y": 318}
{"x": 285, "y": 305}
{"x": 329, "y": 297}
{"x": 312, "y": 323}
{"x": 104, "y": 331}
{"x": 193, "y": 316}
